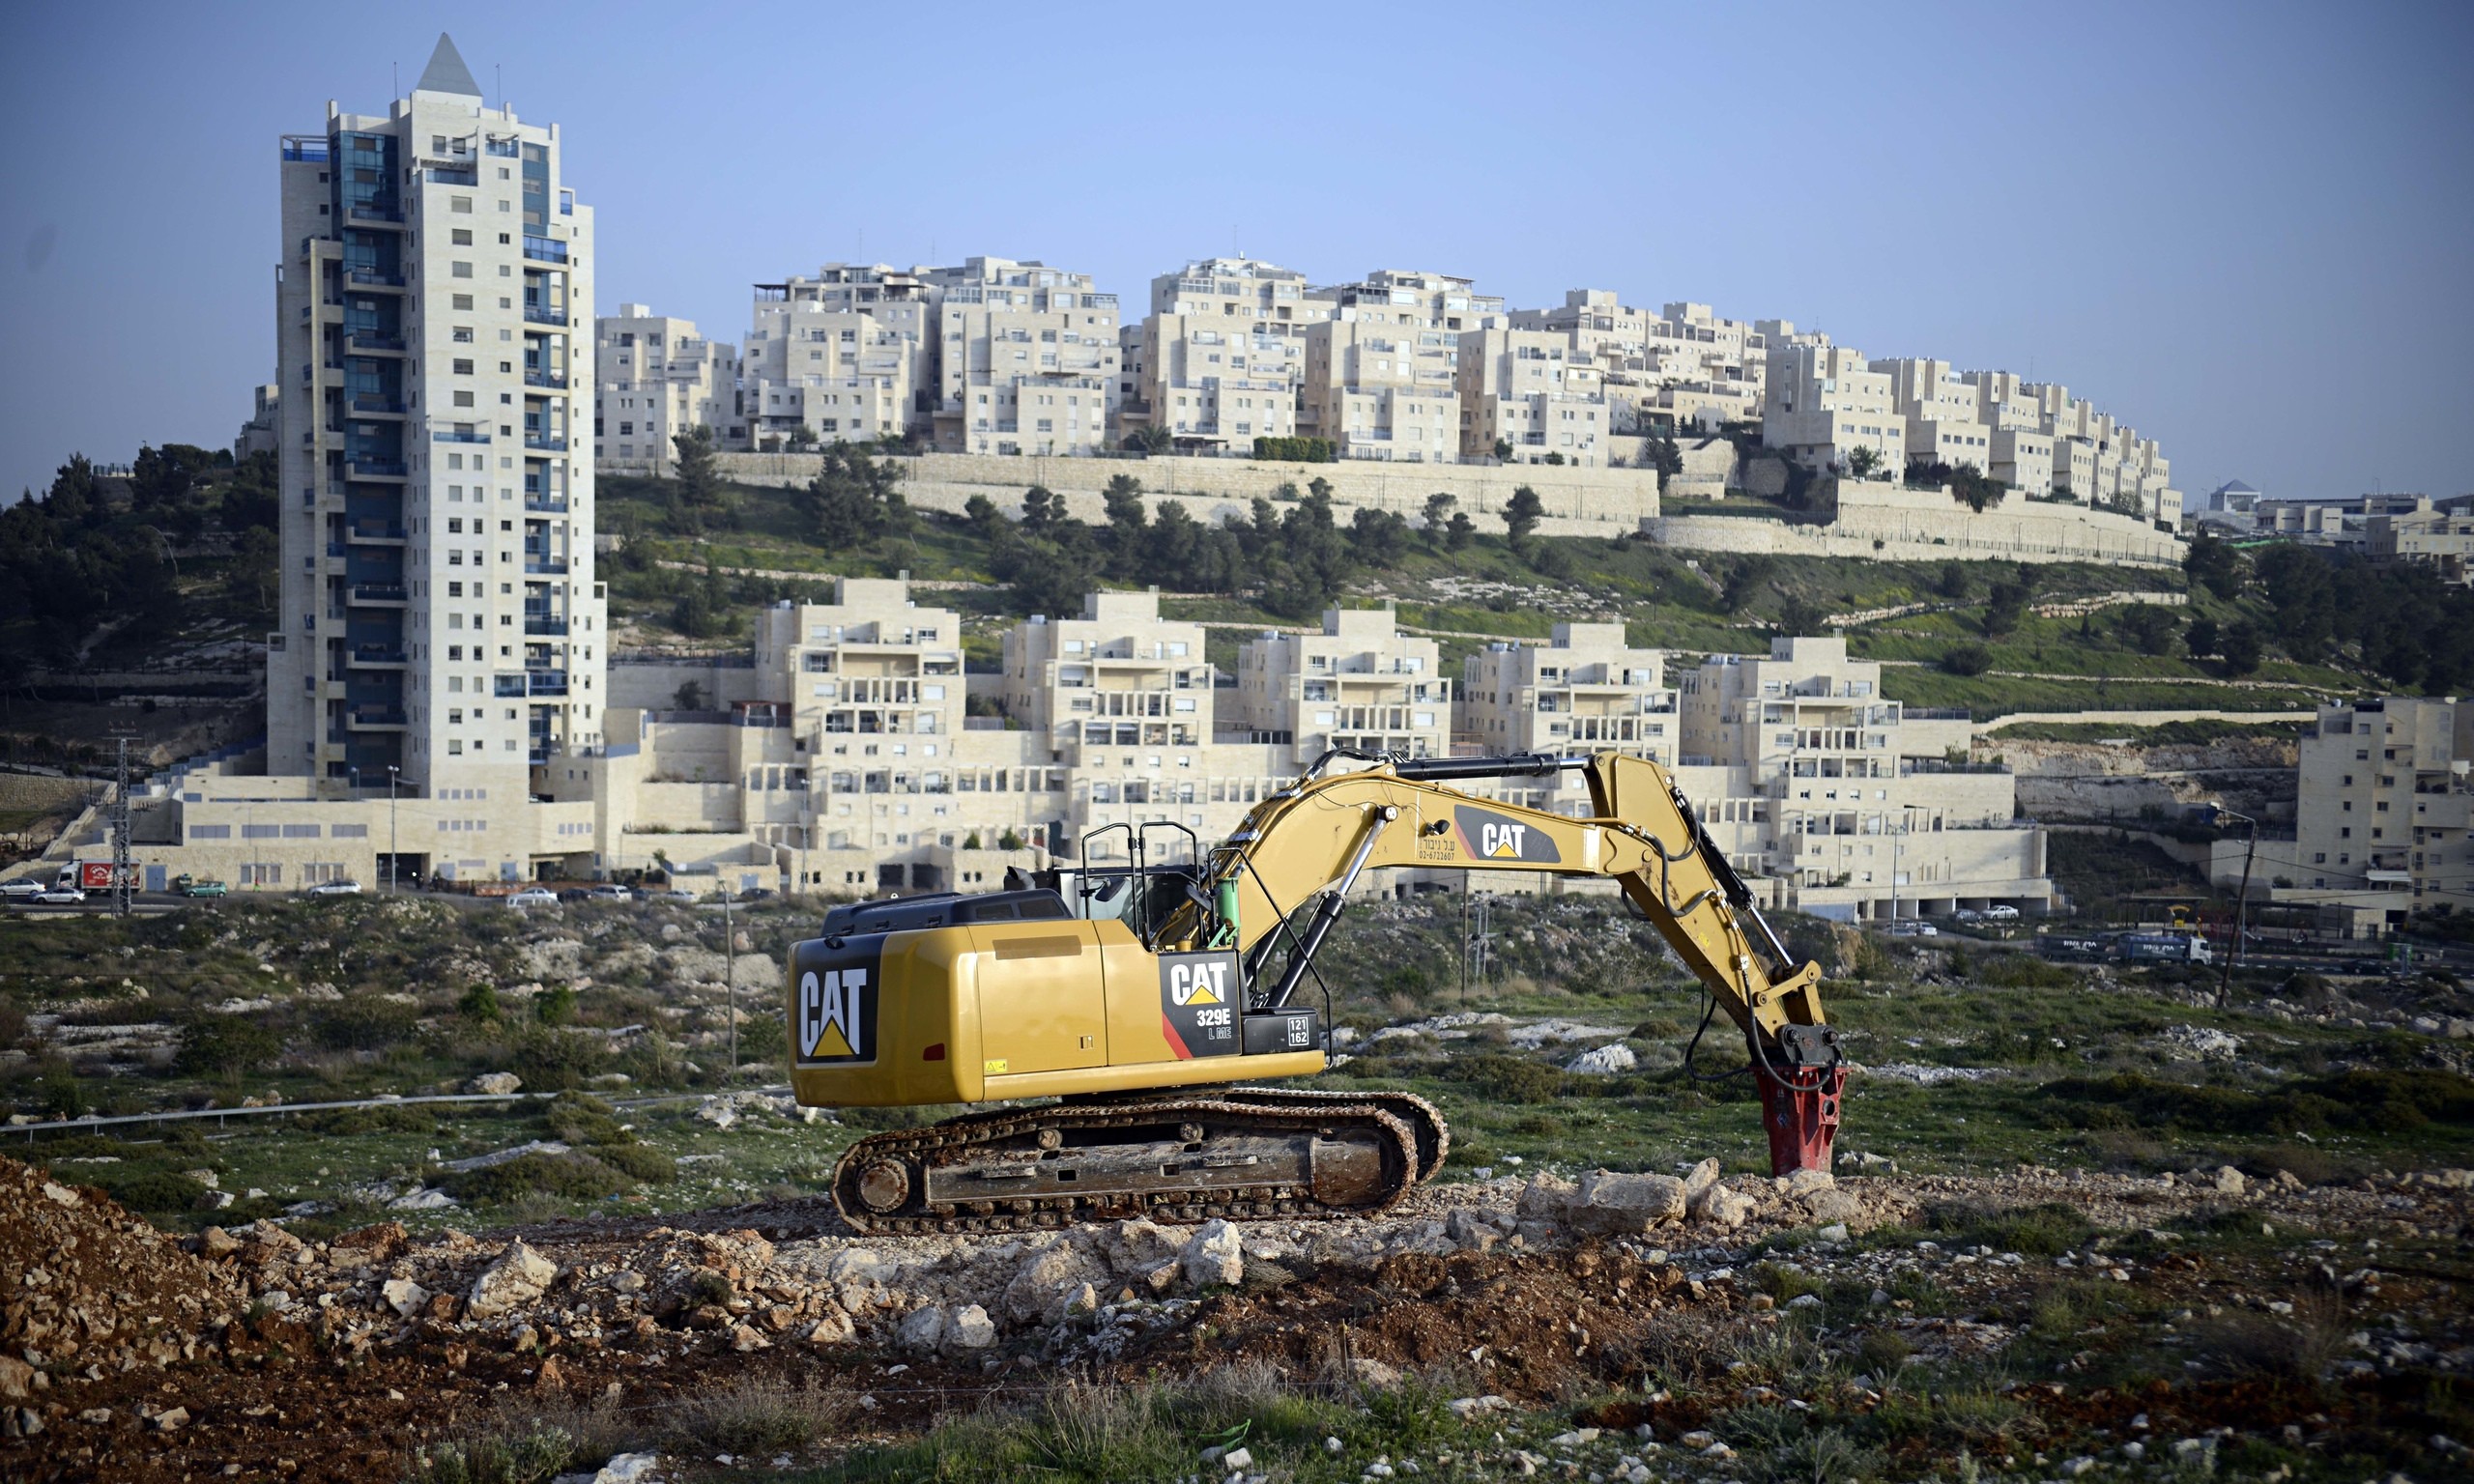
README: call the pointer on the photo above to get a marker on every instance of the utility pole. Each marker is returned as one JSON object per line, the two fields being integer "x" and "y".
{"x": 729, "y": 975}
{"x": 124, "y": 888}
{"x": 2241, "y": 903}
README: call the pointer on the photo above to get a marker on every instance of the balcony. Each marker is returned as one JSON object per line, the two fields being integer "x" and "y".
{"x": 537, "y": 443}
{"x": 372, "y": 342}
{"x": 549, "y": 379}
{"x": 452, "y": 175}
{"x": 337, "y": 735}
{"x": 544, "y": 566}
{"x": 534, "y": 314}
{"x": 376, "y": 655}
{"x": 507, "y": 685}
{"x": 359, "y": 468}
{"x": 374, "y": 716}
{"x": 305, "y": 149}
{"x": 458, "y": 435}
{"x": 545, "y": 250}
{"x": 374, "y": 532}
{"x": 380, "y": 592}
{"x": 372, "y": 278}
{"x": 335, "y": 549}
{"x": 544, "y": 624}
{"x": 362, "y": 404}
{"x": 370, "y": 213}
{"x": 545, "y": 682}
{"x": 546, "y": 505}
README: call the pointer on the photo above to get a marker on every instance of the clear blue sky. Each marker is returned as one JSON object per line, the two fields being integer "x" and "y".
{"x": 2247, "y": 228}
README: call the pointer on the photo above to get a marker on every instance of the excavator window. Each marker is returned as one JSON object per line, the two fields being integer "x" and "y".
{"x": 944, "y": 909}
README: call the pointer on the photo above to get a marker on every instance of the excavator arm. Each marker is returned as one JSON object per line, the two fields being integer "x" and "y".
{"x": 1311, "y": 840}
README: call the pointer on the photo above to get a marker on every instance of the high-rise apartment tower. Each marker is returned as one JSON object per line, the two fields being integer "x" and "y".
{"x": 442, "y": 627}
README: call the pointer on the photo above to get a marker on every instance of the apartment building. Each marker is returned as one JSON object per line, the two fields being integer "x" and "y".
{"x": 2442, "y": 539}
{"x": 1586, "y": 689}
{"x": 1219, "y": 358}
{"x": 1844, "y": 800}
{"x": 846, "y": 355}
{"x": 1381, "y": 373}
{"x": 1529, "y": 391}
{"x": 659, "y": 378}
{"x": 2383, "y": 805}
{"x": 1026, "y": 359}
{"x": 1822, "y": 402}
{"x": 1360, "y": 683}
{"x": 443, "y": 629}
{"x": 1944, "y": 421}
{"x": 262, "y": 433}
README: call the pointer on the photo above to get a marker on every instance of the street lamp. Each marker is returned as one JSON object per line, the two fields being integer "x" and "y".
{"x": 393, "y": 860}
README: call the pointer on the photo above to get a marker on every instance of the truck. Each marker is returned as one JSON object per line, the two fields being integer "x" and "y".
{"x": 2163, "y": 947}
{"x": 1138, "y": 1000}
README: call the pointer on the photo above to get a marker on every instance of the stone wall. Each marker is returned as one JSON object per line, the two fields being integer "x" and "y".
{"x": 1578, "y": 501}
{"x": 1890, "y": 523}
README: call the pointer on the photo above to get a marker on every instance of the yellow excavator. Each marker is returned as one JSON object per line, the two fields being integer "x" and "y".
{"x": 1130, "y": 999}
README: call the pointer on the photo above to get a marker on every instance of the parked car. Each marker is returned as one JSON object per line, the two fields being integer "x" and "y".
{"x": 1913, "y": 927}
{"x": 610, "y": 891}
{"x": 575, "y": 894}
{"x": 685, "y": 894}
{"x": 755, "y": 894}
{"x": 334, "y": 888}
{"x": 2002, "y": 912}
{"x": 533, "y": 896}
{"x": 1968, "y": 915}
{"x": 60, "y": 897}
{"x": 187, "y": 885}
{"x": 22, "y": 889}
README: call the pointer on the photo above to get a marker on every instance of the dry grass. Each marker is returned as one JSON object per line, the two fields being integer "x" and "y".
{"x": 758, "y": 1416}
{"x": 2300, "y": 1345}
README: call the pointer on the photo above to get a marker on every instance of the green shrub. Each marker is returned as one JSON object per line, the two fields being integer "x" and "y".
{"x": 555, "y": 1060}
{"x": 378, "y": 1119}
{"x": 573, "y": 1176}
{"x": 226, "y": 1047}
{"x": 2047, "y": 1230}
{"x": 479, "y": 1003}
{"x": 639, "y": 1162}
{"x": 363, "y": 1022}
{"x": 2387, "y": 1100}
{"x": 529, "y": 1455}
{"x": 577, "y": 1118}
{"x": 1508, "y": 1078}
{"x": 1295, "y": 451}
{"x": 152, "y": 1190}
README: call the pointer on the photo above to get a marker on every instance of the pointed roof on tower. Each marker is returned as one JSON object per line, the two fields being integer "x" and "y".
{"x": 447, "y": 72}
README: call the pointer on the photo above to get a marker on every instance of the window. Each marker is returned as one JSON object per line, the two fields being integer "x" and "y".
{"x": 462, "y": 301}
{"x": 463, "y": 368}
{"x": 462, "y": 237}
{"x": 460, "y": 269}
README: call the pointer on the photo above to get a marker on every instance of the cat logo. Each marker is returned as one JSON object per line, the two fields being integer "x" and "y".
{"x": 837, "y": 1014}
{"x": 1205, "y": 983}
{"x": 1491, "y": 836}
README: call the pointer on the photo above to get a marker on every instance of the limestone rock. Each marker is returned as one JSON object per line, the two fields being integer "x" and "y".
{"x": 1834, "y": 1206}
{"x": 971, "y": 1329}
{"x": 1213, "y": 1256}
{"x": 1137, "y": 1246}
{"x": 404, "y": 1295}
{"x": 1545, "y": 1196}
{"x": 519, "y": 1276}
{"x": 1366, "y": 1371}
{"x": 2228, "y": 1180}
{"x": 1604, "y": 1061}
{"x": 834, "y": 1329}
{"x": 1700, "y": 1178}
{"x": 924, "y": 1330}
{"x": 1721, "y": 1206}
{"x": 17, "y": 1377}
{"x": 1800, "y": 1183}
{"x": 1043, "y": 1276}
{"x": 215, "y": 1241}
{"x": 495, "y": 1084}
{"x": 1609, "y": 1205}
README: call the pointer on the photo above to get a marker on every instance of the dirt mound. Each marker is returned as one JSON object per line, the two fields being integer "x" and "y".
{"x": 84, "y": 1282}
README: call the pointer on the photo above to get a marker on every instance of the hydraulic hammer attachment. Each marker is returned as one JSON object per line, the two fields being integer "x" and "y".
{"x": 1799, "y": 1108}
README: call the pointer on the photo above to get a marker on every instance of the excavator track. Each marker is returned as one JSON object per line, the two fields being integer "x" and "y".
{"x": 1167, "y": 1158}
{"x": 1424, "y": 1119}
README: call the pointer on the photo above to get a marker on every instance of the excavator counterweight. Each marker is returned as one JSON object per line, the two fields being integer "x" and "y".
{"x": 1136, "y": 995}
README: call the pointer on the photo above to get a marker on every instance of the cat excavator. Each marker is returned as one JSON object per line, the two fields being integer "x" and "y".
{"x": 1110, "y": 1012}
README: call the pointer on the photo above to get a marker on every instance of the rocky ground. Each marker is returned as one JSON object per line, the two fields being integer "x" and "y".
{"x": 1619, "y": 1327}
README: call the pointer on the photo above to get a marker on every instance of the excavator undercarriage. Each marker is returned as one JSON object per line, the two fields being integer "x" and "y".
{"x": 1110, "y": 1010}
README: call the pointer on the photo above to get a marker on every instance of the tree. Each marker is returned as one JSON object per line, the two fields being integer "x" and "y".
{"x": 1863, "y": 459}
{"x": 1521, "y": 515}
{"x": 2215, "y": 565}
{"x": 249, "y": 581}
{"x": 2150, "y": 627}
{"x": 694, "y": 467}
{"x": 250, "y": 497}
{"x": 1461, "y": 531}
{"x": 2241, "y": 648}
{"x": 1743, "y": 580}
{"x": 2005, "y": 606}
{"x": 162, "y": 478}
{"x": 1970, "y": 487}
{"x": 76, "y": 496}
{"x": 689, "y": 696}
{"x": 1503, "y": 449}
{"x": 1955, "y": 584}
{"x": 1438, "y": 514}
{"x": 983, "y": 516}
{"x": 801, "y": 439}
{"x": 1379, "y": 538}
{"x": 1129, "y": 526}
{"x": 1965, "y": 659}
{"x": 2202, "y": 636}
{"x": 1151, "y": 438}
{"x": 1042, "y": 509}
{"x": 2302, "y": 599}
{"x": 1664, "y": 457}
{"x": 852, "y": 498}
{"x": 1799, "y": 616}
